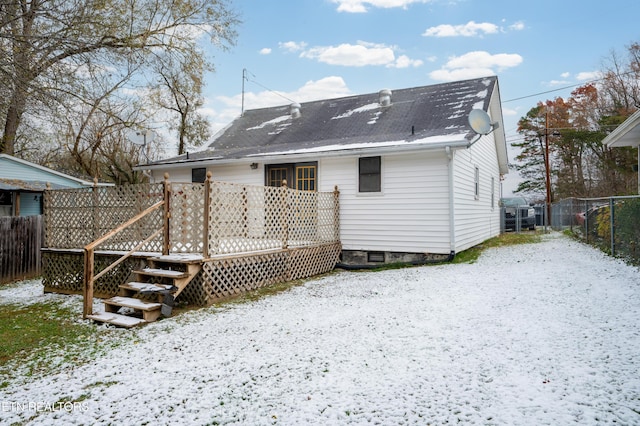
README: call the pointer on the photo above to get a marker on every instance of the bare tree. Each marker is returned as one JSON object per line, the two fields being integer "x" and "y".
{"x": 179, "y": 92}
{"x": 42, "y": 42}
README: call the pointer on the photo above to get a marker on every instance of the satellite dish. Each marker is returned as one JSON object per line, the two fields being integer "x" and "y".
{"x": 480, "y": 122}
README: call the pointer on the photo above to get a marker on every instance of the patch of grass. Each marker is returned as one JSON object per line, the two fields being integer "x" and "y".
{"x": 508, "y": 239}
{"x": 43, "y": 337}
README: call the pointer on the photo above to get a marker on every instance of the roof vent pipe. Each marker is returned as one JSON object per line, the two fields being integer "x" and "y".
{"x": 294, "y": 109}
{"x": 384, "y": 97}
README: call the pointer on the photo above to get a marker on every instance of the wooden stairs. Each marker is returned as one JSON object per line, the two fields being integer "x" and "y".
{"x": 152, "y": 293}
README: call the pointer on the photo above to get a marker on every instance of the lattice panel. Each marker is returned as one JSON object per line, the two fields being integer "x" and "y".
{"x": 328, "y": 217}
{"x": 232, "y": 276}
{"x": 76, "y": 217}
{"x": 246, "y": 218}
{"x": 64, "y": 272}
{"x": 302, "y": 207}
{"x": 187, "y": 218}
{"x": 222, "y": 278}
{"x": 309, "y": 261}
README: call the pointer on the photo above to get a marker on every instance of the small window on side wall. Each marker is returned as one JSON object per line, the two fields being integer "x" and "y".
{"x": 369, "y": 174}
{"x": 476, "y": 183}
{"x": 198, "y": 175}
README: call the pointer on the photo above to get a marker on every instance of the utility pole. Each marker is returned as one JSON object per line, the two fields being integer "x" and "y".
{"x": 244, "y": 77}
{"x": 546, "y": 165}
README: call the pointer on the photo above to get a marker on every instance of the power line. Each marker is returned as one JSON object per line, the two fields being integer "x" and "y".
{"x": 567, "y": 87}
{"x": 245, "y": 77}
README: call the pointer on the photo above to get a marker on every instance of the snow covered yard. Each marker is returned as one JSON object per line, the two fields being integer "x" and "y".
{"x": 534, "y": 334}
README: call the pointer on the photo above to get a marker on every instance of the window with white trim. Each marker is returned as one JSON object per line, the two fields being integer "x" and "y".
{"x": 369, "y": 174}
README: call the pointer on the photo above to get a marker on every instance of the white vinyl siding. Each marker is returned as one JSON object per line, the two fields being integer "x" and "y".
{"x": 411, "y": 213}
{"x": 475, "y": 219}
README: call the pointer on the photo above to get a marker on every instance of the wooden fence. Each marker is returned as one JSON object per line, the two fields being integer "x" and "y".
{"x": 20, "y": 244}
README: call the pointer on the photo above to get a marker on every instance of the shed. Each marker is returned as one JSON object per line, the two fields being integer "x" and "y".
{"x": 22, "y": 184}
{"x": 416, "y": 183}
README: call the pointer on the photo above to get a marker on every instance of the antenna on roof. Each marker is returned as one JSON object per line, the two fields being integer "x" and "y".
{"x": 244, "y": 77}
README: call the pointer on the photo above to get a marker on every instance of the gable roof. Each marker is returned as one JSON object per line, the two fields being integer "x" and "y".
{"x": 417, "y": 118}
{"x": 626, "y": 134}
{"x": 17, "y": 174}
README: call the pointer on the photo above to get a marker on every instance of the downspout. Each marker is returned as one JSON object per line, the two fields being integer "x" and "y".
{"x": 452, "y": 223}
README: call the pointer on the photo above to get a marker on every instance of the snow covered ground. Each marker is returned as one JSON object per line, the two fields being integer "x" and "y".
{"x": 535, "y": 334}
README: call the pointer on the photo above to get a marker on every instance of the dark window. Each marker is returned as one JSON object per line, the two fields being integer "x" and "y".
{"x": 198, "y": 175}
{"x": 302, "y": 176}
{"x": 5, "y": 198}
{"x": 275, "y": 175}
{"x": 369, "y": 174}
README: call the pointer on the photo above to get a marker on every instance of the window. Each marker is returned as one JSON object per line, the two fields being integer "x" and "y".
{"x": 198, "y": 175}
{"x": 306, "y": 178}
{"x": 369, "y": 175}
{"x": 476, "y": 183}
{"x": 275, "y": 175}
{"x": 302, "y": 176}
{"x": 493, "y": 192}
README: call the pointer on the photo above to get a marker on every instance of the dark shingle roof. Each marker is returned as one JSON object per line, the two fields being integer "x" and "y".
{"x": 419, "y": 114}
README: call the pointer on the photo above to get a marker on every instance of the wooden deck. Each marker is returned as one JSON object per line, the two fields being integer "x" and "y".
{"x": 194, "y": 243}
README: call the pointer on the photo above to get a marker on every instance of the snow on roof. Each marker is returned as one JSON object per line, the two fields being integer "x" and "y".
{"x": 452, "y": 138}
{"x": 415, "y": 115}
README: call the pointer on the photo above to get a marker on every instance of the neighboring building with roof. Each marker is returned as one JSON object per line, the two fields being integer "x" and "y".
{"x": 627, "y": 134}
{"x": 415, "y": 181}
{"x": 22, "y": 184}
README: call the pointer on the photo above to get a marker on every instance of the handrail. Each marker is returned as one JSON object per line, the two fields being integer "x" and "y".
{"x": 89, "y": 256}
{"x": 124, "y": 225}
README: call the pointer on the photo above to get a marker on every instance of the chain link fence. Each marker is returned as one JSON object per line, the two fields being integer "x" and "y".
{"x": 612, "y": 223}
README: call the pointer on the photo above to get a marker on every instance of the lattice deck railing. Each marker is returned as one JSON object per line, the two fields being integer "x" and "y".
{"x": 249, "y": 236}
{"x": 214, "y": 218}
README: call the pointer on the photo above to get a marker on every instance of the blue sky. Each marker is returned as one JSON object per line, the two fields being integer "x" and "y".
{"x": 302, "y": 50}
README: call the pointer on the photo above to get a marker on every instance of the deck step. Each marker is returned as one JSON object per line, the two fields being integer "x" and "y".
{"x": 178, "y": 258}
{"x": 130, "y": 302}
{"x": 150, "y": 311}
{"x": 165, "y": 273}
{"x": 117, "y": 319}
{"x": 147, "y": 287}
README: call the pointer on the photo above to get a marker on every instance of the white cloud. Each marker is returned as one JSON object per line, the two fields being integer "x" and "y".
{"x": 293, "y": 46}
{"x": 354, "y": 55}
{"x": 360, "y": 6}
{"x": 475, "y": 64}
{"x": 565, "y": 75}
{"x": 470, "y": 29}
{"x": 265, "y": 51}
{"x": 325, "y": 88}
{"x": 509, "y": 112}
{"x": 404, "y": 61}
{"x": 558, "y": 83}
{"x": 588, "y": 75}
{"x": 518, "y": 26}
{"x": 359, "y": 55}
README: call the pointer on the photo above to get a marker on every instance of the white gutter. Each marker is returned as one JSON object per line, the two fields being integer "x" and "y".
{"x": 452, "y": 223}
{"x": 302, "y": 156}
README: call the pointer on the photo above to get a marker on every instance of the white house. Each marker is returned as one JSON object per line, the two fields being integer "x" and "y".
{"x": 415, "y": 181}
